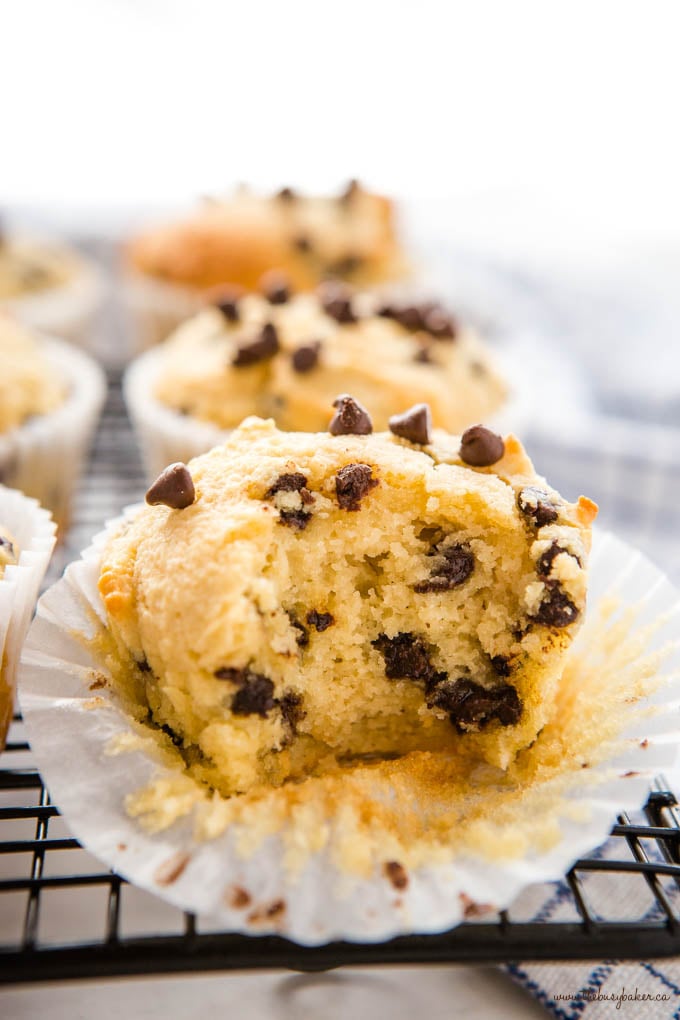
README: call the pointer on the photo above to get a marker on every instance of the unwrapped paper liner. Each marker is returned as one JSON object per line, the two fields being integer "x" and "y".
{"x": 73, "y": 724}
{"x": 33, "y": 530}
{"x": 69, "y": 310}
{"x": 44, "y": 456}
{"x": 166, "y": 436}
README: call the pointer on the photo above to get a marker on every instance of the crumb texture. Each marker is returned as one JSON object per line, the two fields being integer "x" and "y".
{"x": 27, "y": 383}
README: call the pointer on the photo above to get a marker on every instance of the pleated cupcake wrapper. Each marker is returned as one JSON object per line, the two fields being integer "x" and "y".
{"x": 34, "y": 531}
{"x": 68, "y": 311}
{"x": 166, "y": 436}
{"x": 44, "y": 457}
{"x": 73, "y": 724}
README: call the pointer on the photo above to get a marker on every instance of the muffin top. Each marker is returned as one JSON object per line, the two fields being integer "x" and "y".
{"x": 9, "y": 550}
{"x": 288, "y": 357}
{"x": 346, "y": 593}
{"x": 235, "y": 240}
{"x": 28, "y": 385}
{"x": 28, "y": 267}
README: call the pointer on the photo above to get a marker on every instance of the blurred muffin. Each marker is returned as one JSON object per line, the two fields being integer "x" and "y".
{"x": 288, "y": 357}
{"x": 351, "y": 237}
{"x": 50, "y": 397}
{"x": 26, "y": 543}
{"x": 50, "y": 287}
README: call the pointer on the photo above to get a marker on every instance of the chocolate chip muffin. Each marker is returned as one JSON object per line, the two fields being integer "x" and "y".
{"x": 294, "y": 601}
{"x": 287, "y": 356}
{"x": 235, "y": 240}
{"x": 28, "y": 384}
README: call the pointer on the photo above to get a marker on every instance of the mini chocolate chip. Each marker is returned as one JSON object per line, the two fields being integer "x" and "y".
{"x": 295, "y": 519}
{"x": 385, "y": 311}
{"x": 302, "y": 636}
{"x": 306, "y": 357}
{"x": 302, "y": 244}
{"x": 255, "y": 695}
{"x": 480, "y": 447}
{"x": 227, "y": 304}
{"x": 291, "y": 709}
{"x": 457, "y": 566}
{"x": 336, "y": 300}
{"x": 537, "y": 504}
{"x": 263, "y": 347}
{"x": 408, "y": 316}
{"x": 396, "y": 873}
{"x": 350, "y": 191}
{"x": 414, "y": 424}
{"x": 545, "y": 561}
{"x": 143, "y": 666}
{"x": 406, "y": 657}
{"x": 292, "y": 482}
{"x": 556, "y": 608}
{"x": 352, "y": 483}
{"x": 500, "y": 665}
{"x": 439, "y": 324}
{"x": 350, "y": 418}
{"x": 320, "y": 621}
{"x": 471, "y": 706}
{"x": 173, "y": 488}
{"x": 286, "y": 195}
{"x": 274, "y": 286}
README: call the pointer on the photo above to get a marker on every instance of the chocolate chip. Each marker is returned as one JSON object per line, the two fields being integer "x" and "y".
{"x": 336, "y": 300}
{"x": 545, "y": 561}
{"x": 320, "y": 621}
{"x": 537, "y": 505}
{"x": 406, "y": 657}
{"x": 274, "y": 286}
{"x": 143, "y": 666}
{"x": 414, "y": 424}
{"x": 255, "y": 695}
{"x": 471, "y": 706}
{"x": 556, "y": 608}
{"x": 173, "y": 488}
{"x": 227, "y": 304}
{"x": 408, "y": 316}
{"x": 350, "y": 191}
{"x": 306, "y": 357}
{"x": 480, "y": 447}
{"x": 423, "y": 356}
{"x": 396, "y": 873}
{"x": 350, "y": 418}
{"x": 302, "y": 636}
{"x": 440, "y": 324}
{"x": 302, "y": 244}
{"x": 286, "y": 195}
{"x": 265, "y": 346}
{"x": 295, "y": 519}
{"x": 500, "y": 665}
{"x": 291, "y": 482}
{"x": 352, "y": 483}
{"x": 457, "y": 566}
{"x": 291, "y": 709}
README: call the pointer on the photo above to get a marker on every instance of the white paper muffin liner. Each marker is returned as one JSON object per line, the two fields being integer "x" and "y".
{"x": 166, "y": 436}
{"x": 44, "y": 456}
{"x": 68, "y": 311}
{"x": 72, "y": 732}
{"x": 153, "y": 309}
{"x": 34, "y": 531}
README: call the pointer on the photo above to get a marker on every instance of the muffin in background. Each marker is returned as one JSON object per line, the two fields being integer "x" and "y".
{"x": 50, "y": 398}
{"x": 351, "y": 236}
{"x": 50, "y": 286}
{"x": 288, "y": 357}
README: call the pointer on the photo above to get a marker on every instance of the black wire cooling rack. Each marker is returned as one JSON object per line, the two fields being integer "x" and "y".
{"x": 38, "y": 863}
{"x": 63, "y": 915}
